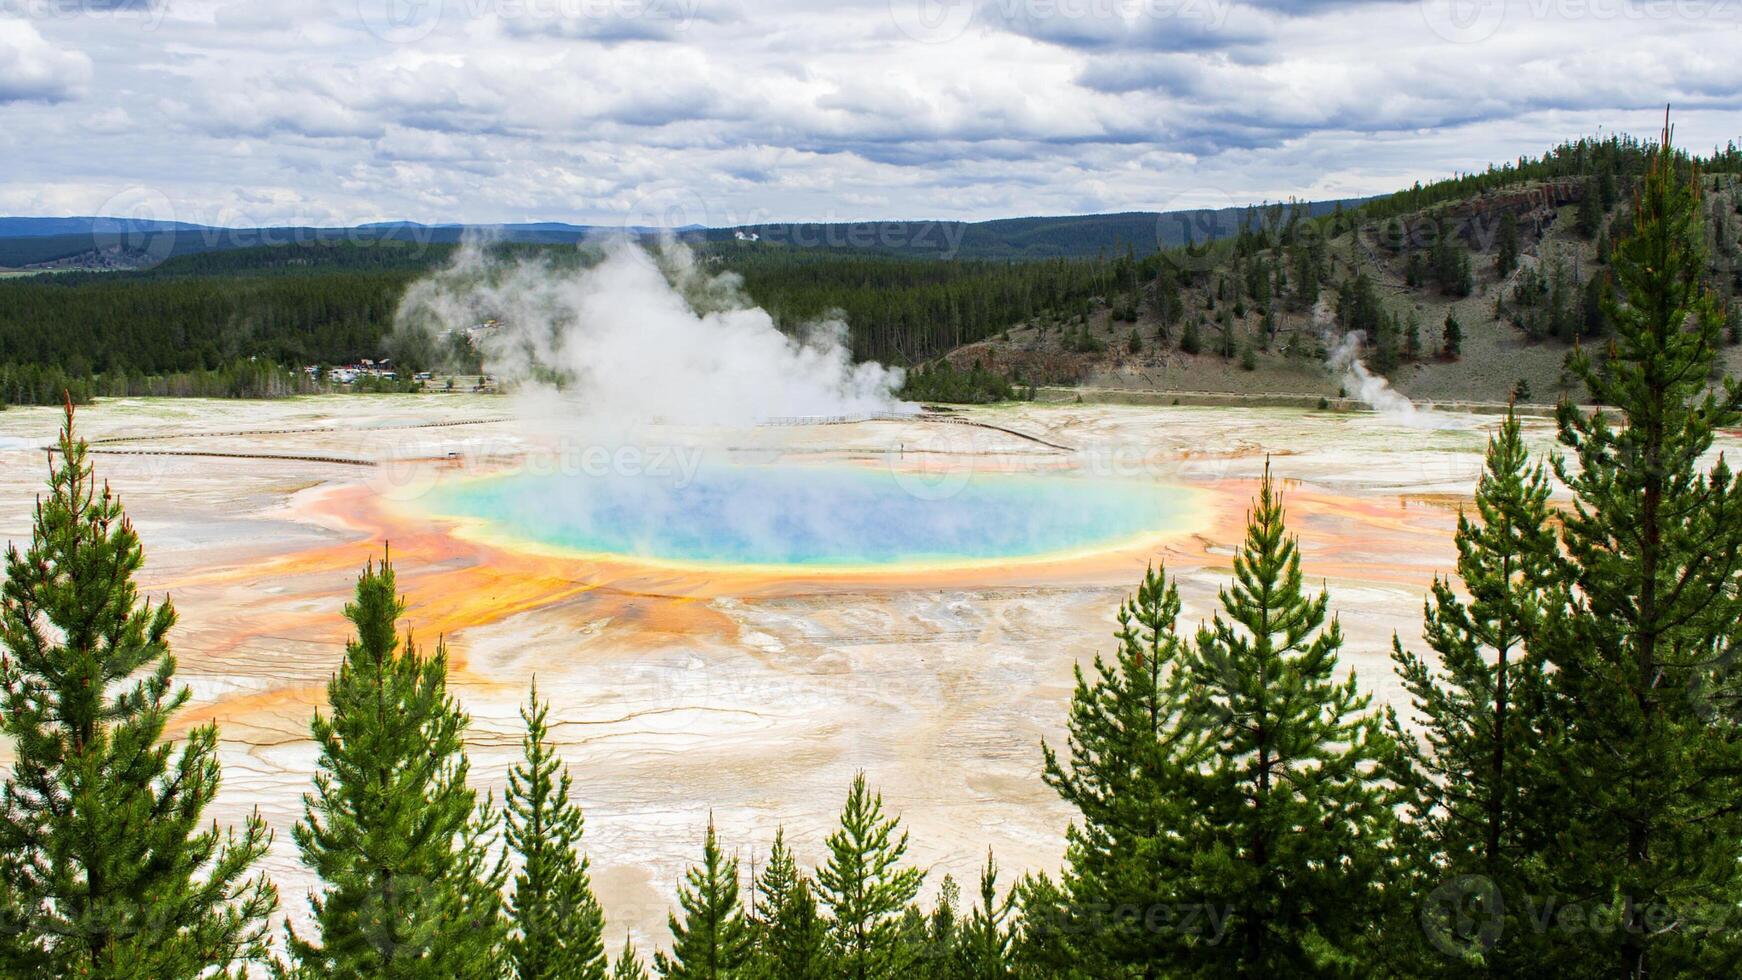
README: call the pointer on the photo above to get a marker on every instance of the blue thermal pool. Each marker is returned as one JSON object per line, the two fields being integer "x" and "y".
{"x": 819, "y": 515}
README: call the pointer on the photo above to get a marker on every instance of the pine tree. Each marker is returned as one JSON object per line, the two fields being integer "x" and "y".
{"x": 1189, "y": 342}
{"x": 1644, "y": 684}
{"x": 865, "y": 888}
{"x": 1452, "y": 338}
{"x": 1414, "y": 270}
{"x": 399, "y": 841}
{"x": 105, "y": 870}
{"x": 628, "y": 965}
{"x": 1359, "y": 307}
{"x": 1451, "y": 265}
{"x": 1470, "y": 778}
{"x": 1506, "y": 253}
{"x": 1308, "y": 272}
{"x": 931, "y": 942}
{"x": 558, "y": 925}
{"x": 791, "y": 937}
{"x": 1589, "y": 217}
{"x": 713, "y": 942}
{"x": 1168, "y": 305}
{"x": 1134, "y": 753}
{"x": 1293, "y": 825}
{"x": 1594, "y": 322}
{"x": 1384, "y": 338}
{"x": 984, "y": 949}
{"x": 1041, "y": 929}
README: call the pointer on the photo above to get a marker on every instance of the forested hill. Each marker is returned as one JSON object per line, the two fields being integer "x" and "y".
{"x": 1483, "y": 249}
{"x": 1140, "y": 233}
{"x": 115, "y": 244}
{"x": 108, "y": 245}
{"x": 330, "y": 303}
{"x": 1476, "y": 288}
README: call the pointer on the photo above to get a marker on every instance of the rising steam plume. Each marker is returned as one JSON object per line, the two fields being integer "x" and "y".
{"x": 1365, "y": 386}
{"x": 643, "y": 336}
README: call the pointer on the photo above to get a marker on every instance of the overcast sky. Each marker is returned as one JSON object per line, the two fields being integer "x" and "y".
{"x": 249, "y": 112}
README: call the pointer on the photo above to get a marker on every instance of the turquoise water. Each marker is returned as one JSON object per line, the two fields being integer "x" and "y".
{"x": 815, "y": 514}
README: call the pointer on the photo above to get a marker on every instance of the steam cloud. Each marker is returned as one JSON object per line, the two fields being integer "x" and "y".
{"x": 642, "y": 337}
{"x": 1364, "y": 385}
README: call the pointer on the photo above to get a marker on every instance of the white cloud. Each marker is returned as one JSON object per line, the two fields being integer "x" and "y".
{"x": 600, "y": 110}
{"x": 33, "y": 69}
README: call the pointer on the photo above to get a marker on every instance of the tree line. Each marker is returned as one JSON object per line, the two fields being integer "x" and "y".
{"x": 1559, "y": 797}
{"x": 37, "y": 384}
{"x": 905, "y": 311}
{"x": 321, "y": 302}
{"x": 1603, "y": 160}
{"x": 332, "y": 301}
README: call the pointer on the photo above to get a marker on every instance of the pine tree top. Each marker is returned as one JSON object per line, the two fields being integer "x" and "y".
{"x": 628, "y": 965}
{"x": 863, "y": 878}
{"x": 713, "y": 939}
{"x": 559, "y": 926}
{"x": 1275, "y": 716}
{"x": 104, "y": 861}
{"x": 403, "y": 845}
{"x": 1267, "y": 621}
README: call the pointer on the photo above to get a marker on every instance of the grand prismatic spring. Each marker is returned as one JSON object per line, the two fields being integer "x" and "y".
{"x": 815, "y": 516}
{"x": 739, "y": 620}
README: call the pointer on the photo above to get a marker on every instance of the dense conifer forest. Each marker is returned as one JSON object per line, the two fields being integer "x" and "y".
{"x": 185, "y": 326}
{"x": 334, "y": 303}
{"x": 1558, "y": 800}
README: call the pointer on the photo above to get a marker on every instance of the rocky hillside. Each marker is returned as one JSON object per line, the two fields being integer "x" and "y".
{"x": 1522, "y": 269}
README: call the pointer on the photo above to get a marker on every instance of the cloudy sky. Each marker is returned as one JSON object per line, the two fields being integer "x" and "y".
{"x": 250, "y": 112}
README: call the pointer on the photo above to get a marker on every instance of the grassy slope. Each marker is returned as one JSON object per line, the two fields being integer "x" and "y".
{"x": 1496, "y": 355}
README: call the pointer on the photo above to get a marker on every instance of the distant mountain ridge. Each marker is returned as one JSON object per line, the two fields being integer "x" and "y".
{"x": 106, "y": 242}
{"x": 1045, "y": 236}
{"x": 24, "y": 227}
{"x": 34, "y": 227}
